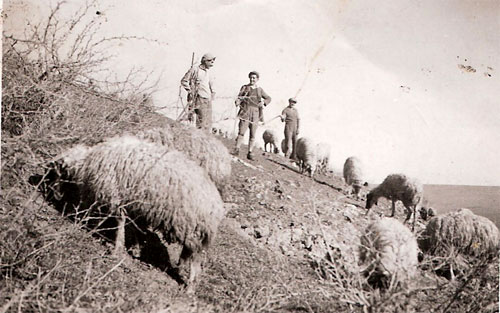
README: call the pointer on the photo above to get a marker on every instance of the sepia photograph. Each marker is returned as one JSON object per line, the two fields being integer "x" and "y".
{"x": 250, "y": 156}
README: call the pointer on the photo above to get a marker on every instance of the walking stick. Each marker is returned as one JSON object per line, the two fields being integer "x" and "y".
{"x": 185, "y": 109}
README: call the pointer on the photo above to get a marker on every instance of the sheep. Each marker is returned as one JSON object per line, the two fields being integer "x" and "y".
{"x": 462, "y": 230}
{"x": 323, "y": 156}
{"x": 270, "y": 138}
{"x": 207, "y": 151}
{"x": 353, "y": 174}
{"x": 426, "y": 213}
{"x": 306, "y": 155}
{"x": 398, "y": 187}
{"x": 127, "y": 176}
{"x": 388, "y": 252}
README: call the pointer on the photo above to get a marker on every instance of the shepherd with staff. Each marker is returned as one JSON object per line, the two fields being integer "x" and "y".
{"x": 251, "y": 100}
{"x": 199, "y": 85}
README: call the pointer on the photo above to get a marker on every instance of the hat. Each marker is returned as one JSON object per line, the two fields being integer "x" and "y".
{"x": 254, "y": 73}
{"x": 208, "y": 57}
{"x": 292, "y": 100}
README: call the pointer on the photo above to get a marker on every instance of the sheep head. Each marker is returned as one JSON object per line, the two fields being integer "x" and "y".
{"x": 371, "y": 200}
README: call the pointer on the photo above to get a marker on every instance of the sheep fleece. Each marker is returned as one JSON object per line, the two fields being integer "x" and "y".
{"x": 353, "y": 171}
{"x": 172, "y": 192}
{"x": 306, "y": 152}
{"x": 389, "y": 247}
{"x": 399, "y": 186}
{"x": 204, "y": 149}
{"x": 469, "y": 233}
{"x": 269, "y": 136}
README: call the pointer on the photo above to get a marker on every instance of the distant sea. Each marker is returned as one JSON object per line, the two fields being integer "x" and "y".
{"x": 482, "y": 200}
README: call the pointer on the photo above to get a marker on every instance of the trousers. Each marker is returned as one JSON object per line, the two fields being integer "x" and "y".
{"x": 290, "y": 139}
{"x": 203, "y": 113}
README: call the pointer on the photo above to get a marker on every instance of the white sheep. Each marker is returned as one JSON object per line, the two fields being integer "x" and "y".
{"x": 323, "y": 157}
{"x": 127, "y": 176}
{"x": 388, "y": 252}
{"x": 463, "y": 231}
{"x": 270, "y": 137}
{"x": 398, "y": 187}
{"x": 353, "y": 174}
{"x": 306, "y": 155}
{"x": 204, "y": 149}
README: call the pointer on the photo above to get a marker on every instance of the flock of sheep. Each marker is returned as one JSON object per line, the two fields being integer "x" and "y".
{"x": 172, "y": 181}
{"x": 388, "y": 249}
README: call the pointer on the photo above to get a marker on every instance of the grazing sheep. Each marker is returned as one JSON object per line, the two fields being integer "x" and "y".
{"x": 353, "y": 174}
{"x": 323, "y": 155}
{"x": 270, "y": 138}
{"x": 462, "y": 231}
{"x": 388, "y": 252}
{"x": 127, "y": 176}
{"x": 306, "y": 155}
{"x": 398, "y": 187}
{"x": 426, "y": 213}
{"x": 207, "y": 151}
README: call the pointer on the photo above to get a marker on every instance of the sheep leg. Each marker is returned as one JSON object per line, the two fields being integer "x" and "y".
{"x": 120, "y": 234}
{"x": 393, "y": 207}
{"x": 195, "y": 267}
{"x": 194, "y": 262}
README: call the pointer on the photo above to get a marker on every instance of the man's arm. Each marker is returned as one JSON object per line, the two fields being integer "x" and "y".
{"x": 298, "y": 122}
{"x": 242, "y": 92}
{"x": 283, "y": 115}
{"x": 185, "y": 81}
{"x": 266, "y": 97}
{"x": 211, "y": 85}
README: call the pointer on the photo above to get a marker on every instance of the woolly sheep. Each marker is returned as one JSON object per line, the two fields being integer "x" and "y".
{"x": 388, "y": 252}
{"x": 463, "y": 231}
{"x": 204, "y": 149}
{"x": 398, "y": 187}
{"x": 353, "y": 174}
{"x": 323, "y": 156}
{"x": 306, "y": 155}
{"x": 270, "y": 137}
{"x": 129, "y": 176}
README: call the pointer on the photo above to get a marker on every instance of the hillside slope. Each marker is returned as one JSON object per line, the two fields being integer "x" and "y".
{"x": 288, "y": 243}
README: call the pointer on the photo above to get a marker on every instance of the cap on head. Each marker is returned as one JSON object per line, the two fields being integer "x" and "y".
{"x": 254, "y": 73}
{"x": 207, "y": 57}
{"x": 292, "y": 100}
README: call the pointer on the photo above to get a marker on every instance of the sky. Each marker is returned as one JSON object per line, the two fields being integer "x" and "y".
{"x": 410, "y": 86}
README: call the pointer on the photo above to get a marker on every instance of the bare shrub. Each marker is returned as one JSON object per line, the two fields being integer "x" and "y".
{"x": 51, "y": 100}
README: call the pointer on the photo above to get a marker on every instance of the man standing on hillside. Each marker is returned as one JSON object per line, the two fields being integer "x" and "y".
{"x": 290, "y": 116}
{"x": 251, "y": 100}
{"x": 199, "y": 85}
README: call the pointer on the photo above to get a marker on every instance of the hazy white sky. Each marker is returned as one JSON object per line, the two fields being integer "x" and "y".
{"x": 383, "y": 80}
